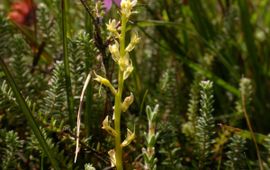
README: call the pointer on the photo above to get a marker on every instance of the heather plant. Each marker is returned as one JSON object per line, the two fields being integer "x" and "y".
{"x": 236, "y": 154}
{"x": 151, "y": 137}
{"x": 204, "y": 128}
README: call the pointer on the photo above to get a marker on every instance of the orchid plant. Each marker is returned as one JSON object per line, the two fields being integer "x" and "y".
{"x": 120, "y": 54}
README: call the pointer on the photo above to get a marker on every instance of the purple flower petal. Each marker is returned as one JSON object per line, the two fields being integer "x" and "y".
{"x": 117, "y": 2}
{"x": 107, "y": 4}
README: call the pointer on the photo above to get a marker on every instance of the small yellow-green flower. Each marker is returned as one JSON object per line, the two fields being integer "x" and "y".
{"x": 128, "y": 70}
{"x": 112, "y": 157}
{"x": 135, "y": 39}
{"x": 127, "y": 6}
{"x": 106, "y": 126}
{"x": 105, "y": 82}
{"x": 129, "y": 139}
{"x": 127, "y": 102}
{"x": 111, "y": 26}
{"x": 114, "y": 50}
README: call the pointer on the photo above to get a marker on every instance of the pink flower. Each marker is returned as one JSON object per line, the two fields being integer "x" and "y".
{"x": 22, "y": 12}
{"x": 108, "y": 4}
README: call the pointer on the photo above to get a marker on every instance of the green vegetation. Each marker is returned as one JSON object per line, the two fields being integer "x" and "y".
{"x": 157, "y": 84}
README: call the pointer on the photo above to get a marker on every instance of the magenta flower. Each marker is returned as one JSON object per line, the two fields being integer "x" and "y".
{"x": 108, "y": 3}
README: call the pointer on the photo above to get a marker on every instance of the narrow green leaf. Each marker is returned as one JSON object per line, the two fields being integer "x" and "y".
{"x": 253, "y": 60}
{"x": 70, "y": 99}
{"x": 151, "y": 23}
{"x": 88, "y": 116}
{"x": 198, "y": 68}
{"x": 200, "y": 19}
{"x": 213, "y": 77}
{"x": 247, "y": 29}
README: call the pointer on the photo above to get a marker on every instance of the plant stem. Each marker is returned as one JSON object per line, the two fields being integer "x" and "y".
{"x": 70, "y": 99}
{"x": 117, "y": 122}
{"x": 123, "y": 36}
{"x": 118, "y": 99}
{"x": 251, "y": 131}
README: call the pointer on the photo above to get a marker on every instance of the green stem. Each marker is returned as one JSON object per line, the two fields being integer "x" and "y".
{"x": 118, "y": 100}
{"x": 42, "y": 162}
{"x": 117, "y": 122}
{"x": 123, "y": 36}
{"x": 251, "y": 131}
{"x": 70, "y": 99}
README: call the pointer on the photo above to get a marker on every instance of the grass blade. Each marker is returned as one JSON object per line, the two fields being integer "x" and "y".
{"x": 247, "y": 29}
{"x": 79, "y": 115}
{"x": 199, "y": 69}
{"x": 211, "y": 76}
{"x": 70, "y": 99}
{"x": 89, "y": 91}
{"x": 201, "y": 21}
{"x": 254, "y": 65}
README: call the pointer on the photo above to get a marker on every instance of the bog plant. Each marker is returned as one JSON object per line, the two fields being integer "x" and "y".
{"x": 205, "y": 62}
{"x": 120, "y": 54}
{"x": 151, "y": 138}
